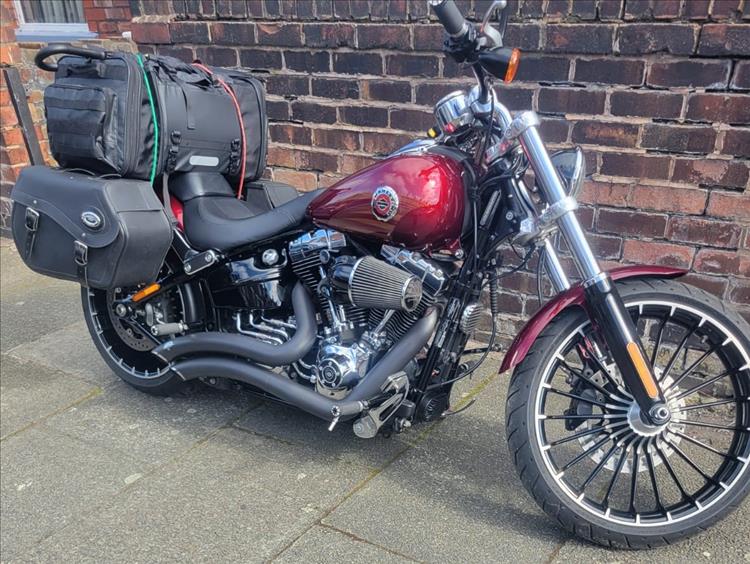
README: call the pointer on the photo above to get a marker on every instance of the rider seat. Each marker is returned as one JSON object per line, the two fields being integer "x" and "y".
{"x": 214, "y": 218}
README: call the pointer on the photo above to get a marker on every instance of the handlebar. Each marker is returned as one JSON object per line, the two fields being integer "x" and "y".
{"x": 450, "y": 16}
{"x": 67, "y": 49}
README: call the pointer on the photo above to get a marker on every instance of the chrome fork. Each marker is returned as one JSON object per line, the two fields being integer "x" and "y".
{"x": 605, "y": 307}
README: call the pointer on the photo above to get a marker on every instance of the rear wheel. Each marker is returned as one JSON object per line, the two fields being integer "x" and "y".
{"x": 591, "y": 461}
{"x": 126, "y": 346}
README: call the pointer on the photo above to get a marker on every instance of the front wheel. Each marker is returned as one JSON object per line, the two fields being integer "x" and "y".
{"x": 588, "y": 457}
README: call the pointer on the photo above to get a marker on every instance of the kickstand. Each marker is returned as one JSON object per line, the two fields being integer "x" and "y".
{"x": 448, "y": 412}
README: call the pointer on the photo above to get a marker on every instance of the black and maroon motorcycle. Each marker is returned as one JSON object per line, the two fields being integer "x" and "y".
{"x": 628, "y": 414}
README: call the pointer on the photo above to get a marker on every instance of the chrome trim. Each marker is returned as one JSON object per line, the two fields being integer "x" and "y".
{"x": 522, "y": 123}
{"x": 558, "y": 209}
{"x": 453, "y": 112}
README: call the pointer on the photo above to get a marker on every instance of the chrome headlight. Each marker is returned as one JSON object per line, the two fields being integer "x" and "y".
{"x": 571, "y": 166}
{"x": 453, "y": 112}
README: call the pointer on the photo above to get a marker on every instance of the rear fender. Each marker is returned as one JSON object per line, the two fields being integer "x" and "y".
{"x": 571, "y": 298}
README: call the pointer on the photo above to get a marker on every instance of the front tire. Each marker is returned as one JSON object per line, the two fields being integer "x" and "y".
{"x": 585, "y": 455}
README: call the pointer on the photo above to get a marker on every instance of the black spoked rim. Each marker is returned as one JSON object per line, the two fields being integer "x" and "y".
{"x": 611, "y": 463}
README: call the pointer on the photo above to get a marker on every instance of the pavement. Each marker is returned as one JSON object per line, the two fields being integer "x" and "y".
{"x": 94, "y": 471}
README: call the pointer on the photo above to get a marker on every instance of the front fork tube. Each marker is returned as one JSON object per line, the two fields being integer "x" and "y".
{"x": 605, "y": 305}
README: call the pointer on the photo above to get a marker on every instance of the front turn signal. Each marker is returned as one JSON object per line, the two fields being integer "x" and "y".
{"x": 502, "y": 62}
{"x": 510, "y": 73}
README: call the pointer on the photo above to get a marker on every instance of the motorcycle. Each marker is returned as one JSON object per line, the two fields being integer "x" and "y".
{"x": 628, "y": 412}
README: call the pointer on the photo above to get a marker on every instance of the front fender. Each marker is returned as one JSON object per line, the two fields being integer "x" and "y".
{"x": 569, "y": 298}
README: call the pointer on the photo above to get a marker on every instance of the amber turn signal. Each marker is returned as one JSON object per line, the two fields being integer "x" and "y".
{"x": 146, "y": 292}
{"x": 642, "y": 369}
{"x": 510, "y": 73}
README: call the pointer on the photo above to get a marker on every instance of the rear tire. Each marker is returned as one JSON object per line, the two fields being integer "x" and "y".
{"x": 125, "y": 350}
{"x": 636, "y": 456}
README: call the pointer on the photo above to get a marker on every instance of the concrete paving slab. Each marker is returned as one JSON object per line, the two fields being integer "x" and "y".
{"x": 149, "y": 428}
{"x": 47, "y": 479}
{"x": 321, "y": 545}
{"x": 71, "y": 350}
{"x": 725, "y": 542}
{"x": 29, "y": 392}
{"x": 455, "y": 497}
{"x": 209, "y": 506}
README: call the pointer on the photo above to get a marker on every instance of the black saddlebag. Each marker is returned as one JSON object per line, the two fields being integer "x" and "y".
{"x": 102, "y": 232}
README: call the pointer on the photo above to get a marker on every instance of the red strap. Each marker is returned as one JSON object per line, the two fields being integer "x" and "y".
{"x": 239, "y": 117}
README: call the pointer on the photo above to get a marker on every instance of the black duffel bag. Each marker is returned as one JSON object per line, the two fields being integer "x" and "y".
{"x": 101, "y": 232}
{"x": 99, "y": 114}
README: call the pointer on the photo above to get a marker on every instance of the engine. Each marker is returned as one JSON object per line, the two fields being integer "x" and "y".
{"x": 367, "y": 302}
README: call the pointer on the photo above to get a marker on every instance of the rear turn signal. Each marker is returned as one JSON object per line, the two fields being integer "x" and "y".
{"x": 146, "y": 292}
{"x": 510, "y": 73}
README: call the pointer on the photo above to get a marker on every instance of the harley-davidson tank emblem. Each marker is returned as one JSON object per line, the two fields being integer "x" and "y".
{"x": 384, "y": 203}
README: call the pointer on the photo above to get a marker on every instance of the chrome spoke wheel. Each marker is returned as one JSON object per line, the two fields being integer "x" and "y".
{"x": 608, "y": 459}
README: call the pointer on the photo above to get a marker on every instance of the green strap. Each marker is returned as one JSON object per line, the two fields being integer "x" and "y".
{"x": 153, "y": 117}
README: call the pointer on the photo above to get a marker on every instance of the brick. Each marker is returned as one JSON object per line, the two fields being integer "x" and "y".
{"x": 524, "y": 36}
{"x": 554, "y": 130}
{"x": 184, "y": 54}
{"x": 317, "y": 160}
{"x": 644, "y": 39}
{"x": 655, "y": 252}
{"x": 304, "y": 181}
{"x": 323, "y": 8}
{"x": 308, "y": 61}
{"x": 605, "y": 193}
{"x": 696, "y": 9}
{"x": 231, "y": 9}
{"x": 730, "y": 205}
{"x": 635, "y": 166}
{"x": 151, "y": 32}
{"x": 318, "y": 113}
{"x": 542, "y": 68}
{"x": 740, "y": 291}
{"x": 428, "y": 37}
{"x": 290, "y": 134}
{"x": 725, "y": 108}
{"x": 704, "y": 231}
{"x": 579, "y": 38}
{"x": 277, "y": 110}
{"x": 737, "y": 143}
{"x": 668, "y": 199}
{"x": 412, "y": 65}
{"x": 631, "y": 223}
{"x": 241, "y": 34}
{"x": 359, "y": 9}
{"x": 610, "y": 9}
{"x": 357, "y": 63}
{"x": 678, "y": 139}
{"x": 389, "y": 90}
{"x": 596, "y": 132}
{"x": 741, "y": 78}
{"x": 610, "y": 71}
{"x": 711, "y": 172}
{"x": 418, "y": 10}
{"x": 364, "y": 115}
{"x": 645, "y": 104}
{"x": 383, "y": 37}
{"x": 354, "y": 163}
{"x": 666, "y": 9}
{"x": 412, "y": 120}
{"x": 397, "y": 10}
{"x": 451, "y": 69}
{"x": 335, "y": 88}
{"x": 704, "y": 74}
{"x": 571, "y": 101}
{"x": 329, "y": 35}
{"x": 188, "y": 32}
{"x": 340, "y": 139}
{"x": 260, "y": 59}
{"x": 284, "y": 35}
{"x": 217, "y": 56}
{"x": 724, "y": 39}
{"x": 713, "y": 261}
{"x": 532, "y": 9}
{"x": 288, "y": 85}
{"x": 281, "y": 156}
{"x": 379, "y": 143}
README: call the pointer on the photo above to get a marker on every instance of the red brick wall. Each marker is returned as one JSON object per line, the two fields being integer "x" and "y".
{"x": 656, "y": 91}
{"x": 108, "y": 17}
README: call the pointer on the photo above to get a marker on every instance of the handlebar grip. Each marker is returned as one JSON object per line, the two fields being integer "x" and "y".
{"x": 67, "y": 49}
{"x": 450, "y": 16}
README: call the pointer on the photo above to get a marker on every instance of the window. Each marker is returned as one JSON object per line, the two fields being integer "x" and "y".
{"x": 50, "y": 20}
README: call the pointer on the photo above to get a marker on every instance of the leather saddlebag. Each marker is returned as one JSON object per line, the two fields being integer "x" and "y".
{"x": 101, "y": 232}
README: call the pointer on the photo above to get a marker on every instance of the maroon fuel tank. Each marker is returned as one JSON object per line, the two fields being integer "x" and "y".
{"x": 416, "y": 201}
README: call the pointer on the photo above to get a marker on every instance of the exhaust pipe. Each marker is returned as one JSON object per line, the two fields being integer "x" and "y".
{"x": 305, "y": 398}
{"x": 216, "y": 343}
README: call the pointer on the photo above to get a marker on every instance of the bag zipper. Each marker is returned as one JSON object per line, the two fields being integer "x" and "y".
{"x": 135, "y": 93}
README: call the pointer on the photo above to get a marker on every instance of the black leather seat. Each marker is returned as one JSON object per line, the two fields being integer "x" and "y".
{"x": 214, "y": 218}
